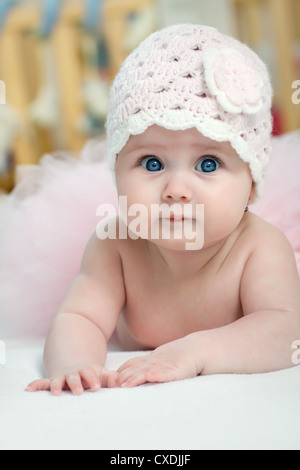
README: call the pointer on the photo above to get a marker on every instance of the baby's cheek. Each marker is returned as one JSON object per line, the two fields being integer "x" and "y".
{"x": 219, "y": 223}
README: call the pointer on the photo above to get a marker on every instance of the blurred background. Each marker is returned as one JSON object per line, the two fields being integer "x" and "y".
{"x": 59, "y": 57}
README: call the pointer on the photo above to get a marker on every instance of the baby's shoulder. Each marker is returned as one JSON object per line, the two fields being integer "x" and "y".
{"x": 270, "y": 277}
{"x": 262, "y": 232}
{"x": 111, "y": 239}
{"x": 102, "y": 249}
{"x": 264, "y": 239}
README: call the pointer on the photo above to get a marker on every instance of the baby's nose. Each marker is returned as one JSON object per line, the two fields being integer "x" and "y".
{"x": 177, "y": 188}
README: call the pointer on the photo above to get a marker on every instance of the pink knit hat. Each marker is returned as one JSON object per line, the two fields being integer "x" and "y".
{"x": 189, "y": 76}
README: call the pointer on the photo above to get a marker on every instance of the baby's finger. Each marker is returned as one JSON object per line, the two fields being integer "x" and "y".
{"x": 90, "y": 378}
{"x": 139, "y": 378}
{"x": 127, "y": 374}
{"x": 109, "y": 378}
{"x": 130, "y": 363}
{"x": 152, "y": 374}
{"x": 74, "y": 383}
{"x": 38, "y": 386}
{"x": 57, "y": 385}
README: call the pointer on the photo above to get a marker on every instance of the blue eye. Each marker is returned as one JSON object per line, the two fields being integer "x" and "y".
{"x": 208, "y": 165}
{"x": 151, "y": 164}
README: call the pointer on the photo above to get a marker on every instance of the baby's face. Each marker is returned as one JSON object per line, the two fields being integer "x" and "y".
{"x": 185, "y": 168}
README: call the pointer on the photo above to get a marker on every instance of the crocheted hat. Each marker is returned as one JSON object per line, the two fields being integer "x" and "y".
{"x": 189, "y": 76}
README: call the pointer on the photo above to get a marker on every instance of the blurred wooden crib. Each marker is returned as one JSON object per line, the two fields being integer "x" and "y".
{"x": 272, "y": 28}
{"x": 24, "y": 57}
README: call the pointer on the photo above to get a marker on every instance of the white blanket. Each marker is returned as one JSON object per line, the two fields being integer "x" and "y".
{"x": 217, "y": 412}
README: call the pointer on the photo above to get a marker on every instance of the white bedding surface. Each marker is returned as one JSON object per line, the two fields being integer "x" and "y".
{"x": 217, "y": 412}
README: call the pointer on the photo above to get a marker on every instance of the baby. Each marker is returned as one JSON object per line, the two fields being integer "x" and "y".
{"x": 207, "y": 286}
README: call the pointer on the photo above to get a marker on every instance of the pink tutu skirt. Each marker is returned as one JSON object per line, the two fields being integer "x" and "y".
{"x": 45, "y": 225}
{"x": 47, "y": 221}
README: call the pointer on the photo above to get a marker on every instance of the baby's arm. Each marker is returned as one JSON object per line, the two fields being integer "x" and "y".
{"x": 262, "y": 340}
{"x": 259, "y": 342}
{"x": 76, "y": 347}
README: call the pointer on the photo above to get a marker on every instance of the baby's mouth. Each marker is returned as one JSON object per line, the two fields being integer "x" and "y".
{"x": 177, "y": 214}
{"x": 181, "y": 216}
{"x": 177, "y": 218}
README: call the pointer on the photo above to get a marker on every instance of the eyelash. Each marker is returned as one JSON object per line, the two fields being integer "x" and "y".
{"x": 212, "y": 157}
{"x": 141, "y": 159}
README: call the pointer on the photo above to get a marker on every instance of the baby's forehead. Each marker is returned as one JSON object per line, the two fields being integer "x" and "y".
{"x": 160, "y": 138}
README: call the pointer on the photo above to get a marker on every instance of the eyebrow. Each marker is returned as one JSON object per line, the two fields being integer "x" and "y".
{"x": 211, "y": 146}
{"x": 149, "y": 145}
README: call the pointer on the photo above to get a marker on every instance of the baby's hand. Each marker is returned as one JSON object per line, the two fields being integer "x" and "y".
{"x": 170, "y": 362}
{"x": 76, "y": 379}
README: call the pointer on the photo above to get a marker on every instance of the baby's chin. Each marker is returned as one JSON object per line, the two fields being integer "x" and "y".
{"x": 184, "y": 235}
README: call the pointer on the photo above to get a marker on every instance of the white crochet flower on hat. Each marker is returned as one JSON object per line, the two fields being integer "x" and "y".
{"x": 235, "y": 83}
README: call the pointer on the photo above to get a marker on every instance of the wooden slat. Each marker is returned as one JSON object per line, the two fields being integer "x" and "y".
{"x": 281, "y": 13}
{"x": 25, "y": 149}
{"x": 285, "y": 27}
